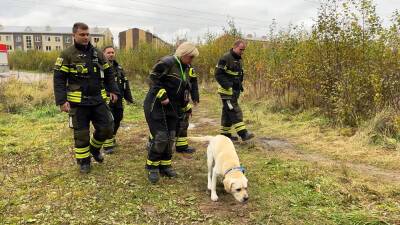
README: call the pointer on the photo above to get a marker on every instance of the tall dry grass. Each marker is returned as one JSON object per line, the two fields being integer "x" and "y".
{"x": 17, "y": 96}
{"x": 347, "y": 65}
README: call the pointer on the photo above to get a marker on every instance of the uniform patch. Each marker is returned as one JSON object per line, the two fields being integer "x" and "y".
{"x": 59, "y": 61}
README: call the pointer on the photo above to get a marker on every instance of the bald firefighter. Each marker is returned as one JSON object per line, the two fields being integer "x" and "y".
{"x": 229, "y": 75}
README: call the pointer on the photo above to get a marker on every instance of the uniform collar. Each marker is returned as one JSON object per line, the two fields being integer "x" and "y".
{"x": 236, "y": 56}
{"x": 83, "y": 47}
{"x": 115, "y": 63}
{"x": 178, "y": 61}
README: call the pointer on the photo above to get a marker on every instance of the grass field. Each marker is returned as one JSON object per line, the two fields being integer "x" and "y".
{"x": 300, "y": 171}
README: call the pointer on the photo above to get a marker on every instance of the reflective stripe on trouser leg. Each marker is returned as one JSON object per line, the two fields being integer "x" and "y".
{"x": 166, "y": 162}
{"x": 109, "y": 142}
{"x": 225, "y": 130}
{"x": 181, "y": 141}
{"x": 152, "y": 163}
{"x": 239, "y": 126}
{"x": 81, "y": 153}
{"x": 95, "y": 143}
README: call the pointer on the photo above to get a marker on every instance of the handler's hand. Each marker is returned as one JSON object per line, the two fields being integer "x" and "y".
{"x": 113, "y": 97}
{"x": 165, "y": 102}
{"x": 66, "y": 107}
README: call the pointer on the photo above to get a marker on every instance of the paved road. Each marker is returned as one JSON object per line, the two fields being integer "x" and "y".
{"x": 28, "y": 77}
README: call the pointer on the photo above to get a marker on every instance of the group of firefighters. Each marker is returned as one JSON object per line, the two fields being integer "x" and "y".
{"x": 91, "y": 87}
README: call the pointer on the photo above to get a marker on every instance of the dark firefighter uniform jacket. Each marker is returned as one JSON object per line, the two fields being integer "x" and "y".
{"x": 169, "y": 79}
{"x": 194, "y": 90}
{"x": 82, "y": 76}
{"x": 229, "y": 75}
{"x": 123, "y": 85}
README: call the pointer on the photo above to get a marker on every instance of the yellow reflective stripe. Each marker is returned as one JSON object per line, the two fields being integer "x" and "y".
{"x": 81, "y": 153}
{"x": 82, "y": 156}
{"x": 85, "y": 70}
{"x": 192, "y": 73}
{"x": 64, "y": 69}
{"x": 222, "y": 68}
{"x": 151, "y": 163}
{"x": 106, "y": 66}
{"x": 73, "y": 70}
{"x": 95, "y": 143}
{"x": 180, "y": 144}
{"x": 161, "y": 92}
{"x": 109, "y": 142}
{"x": 166, "y": 162}
{"x": 81, "y": 150}
{"x": 95, "y": 69}
{"x": 230, "y": 72}
{"x": 239, "y": 126}
{"x": 74, "y": 96}
{"x": 103, "y": 93}
{"x": 187, "y": 108}
{"x": 181, "y": 141}
{"x": 75, "y": 93}
{"x": 224, "y": 91}
{"x": 226, "y": 130}
{"x": 73, "y": 99}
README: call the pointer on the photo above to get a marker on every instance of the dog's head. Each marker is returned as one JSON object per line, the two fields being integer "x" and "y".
{"x": 237, "y": 186}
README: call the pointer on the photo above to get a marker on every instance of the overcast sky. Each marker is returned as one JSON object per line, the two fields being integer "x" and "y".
{"x": 169, "y": 19}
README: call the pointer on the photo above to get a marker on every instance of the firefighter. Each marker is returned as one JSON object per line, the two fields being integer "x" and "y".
{"x": 168, "y": 93}
{"x": 229, "y": 75}
{"x": 182, "y": 145}
{"x": 82, "y": 78}
{"x": 117, "y": 108}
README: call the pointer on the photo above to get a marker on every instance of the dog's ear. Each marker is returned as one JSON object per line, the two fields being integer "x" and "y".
{"x": 228, "y": 185}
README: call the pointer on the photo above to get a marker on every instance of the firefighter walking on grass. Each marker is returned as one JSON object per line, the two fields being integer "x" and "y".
{"x": 117, "y": 108}
{"x": 229, "y": 75}
{"x": 168, "y": 93}
{"x": 82, "y": 78}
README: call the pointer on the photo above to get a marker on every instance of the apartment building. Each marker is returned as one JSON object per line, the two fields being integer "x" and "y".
{"x": 132, "y": 38}
{"x": 47, "y": 38}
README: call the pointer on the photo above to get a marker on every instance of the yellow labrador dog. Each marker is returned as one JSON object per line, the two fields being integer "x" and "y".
{"x": 222, "y": 160}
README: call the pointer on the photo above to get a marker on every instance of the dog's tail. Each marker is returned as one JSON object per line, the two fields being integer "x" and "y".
{"x": 201, "y": 139}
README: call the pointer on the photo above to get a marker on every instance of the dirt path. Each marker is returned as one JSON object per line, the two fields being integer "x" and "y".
{"x": 284, "y": 147}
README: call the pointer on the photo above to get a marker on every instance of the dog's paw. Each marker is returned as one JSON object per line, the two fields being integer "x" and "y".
{"x": 214, "y": 197}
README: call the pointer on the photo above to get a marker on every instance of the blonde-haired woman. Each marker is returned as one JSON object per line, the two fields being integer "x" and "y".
{"x": 168, "y": 93}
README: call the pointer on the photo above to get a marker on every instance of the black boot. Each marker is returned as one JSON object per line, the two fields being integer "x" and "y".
{"x": 233, "y": 138}
{"x": 96, "y": 154}
{"x": 188, "y": 150}
{"x": 245, "y": 135}
{"x": 168, "y": 172}
{"x": 109, "y": 150}
{"x": 84, "y": 165}
{"x": 153, "y": 175}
